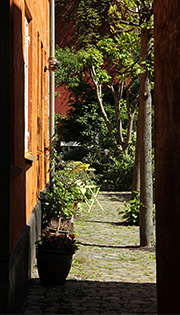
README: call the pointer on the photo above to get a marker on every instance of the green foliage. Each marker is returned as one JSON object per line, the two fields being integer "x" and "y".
{"x": 61, "y": 201}
{"x": 132, "y": 209}
{"x": 131, "y": 15}
{"x": 83, "y": 122}
{"x": 129, "y": 22}
{"x": 90, "y": 18}
{"x": 113, "y": 53}
{"x": 121, "y": 173}
{"x": 108, "y": 63}
{"x": 113, "y": 173}
{"x": 70, "y": 67}
{"x": 64, "y": 195}
{"x": 90, "y": 131}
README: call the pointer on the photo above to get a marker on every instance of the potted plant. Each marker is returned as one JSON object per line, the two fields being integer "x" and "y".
{"x": 54, "y": 256}
{"x": 56, "y": 246}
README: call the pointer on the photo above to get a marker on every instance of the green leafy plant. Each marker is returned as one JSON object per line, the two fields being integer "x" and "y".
{"x": 62, "y": 200}
{"x": 117, "y": 170}
{"x": 131, "y": 210}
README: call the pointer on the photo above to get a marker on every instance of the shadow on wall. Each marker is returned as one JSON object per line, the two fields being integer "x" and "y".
{"x": 19, "y": 243}
{"x": 18, "y": 182}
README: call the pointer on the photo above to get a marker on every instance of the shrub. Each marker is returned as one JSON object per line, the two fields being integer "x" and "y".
{"x": 116, "y": 171}
{"x": 132, "y": 209}
{"x": 64, "y": 195}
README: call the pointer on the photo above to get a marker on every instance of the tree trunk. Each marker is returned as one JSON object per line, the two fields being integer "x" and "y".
{"x": 136, "y": 169}
{"x": 146, "y": 186}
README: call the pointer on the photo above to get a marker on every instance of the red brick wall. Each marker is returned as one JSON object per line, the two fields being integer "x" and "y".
{"x": 63, "y": 38}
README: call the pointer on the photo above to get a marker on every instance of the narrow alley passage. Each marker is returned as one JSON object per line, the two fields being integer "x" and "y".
{"x": 110, "y": 274}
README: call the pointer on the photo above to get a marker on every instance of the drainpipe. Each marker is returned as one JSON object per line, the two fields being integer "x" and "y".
{"x": 52, "y": 86}
{"x": 5, "y": 155}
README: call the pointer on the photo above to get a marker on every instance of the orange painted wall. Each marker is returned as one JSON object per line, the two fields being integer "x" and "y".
{"x": 33, "y": 175}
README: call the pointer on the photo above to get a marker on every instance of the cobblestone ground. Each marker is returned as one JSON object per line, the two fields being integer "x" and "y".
{"x": 110, "y": 273}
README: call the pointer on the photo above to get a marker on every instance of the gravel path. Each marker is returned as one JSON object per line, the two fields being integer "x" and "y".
{"x": 110, "y": 273}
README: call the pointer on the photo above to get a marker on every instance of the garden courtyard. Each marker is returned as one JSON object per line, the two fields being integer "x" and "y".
{"x": 110, "y": 273}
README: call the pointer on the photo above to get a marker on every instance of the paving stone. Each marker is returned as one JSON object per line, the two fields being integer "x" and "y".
{"x": 110, "y": 273}
{"x": 30, "y": 311}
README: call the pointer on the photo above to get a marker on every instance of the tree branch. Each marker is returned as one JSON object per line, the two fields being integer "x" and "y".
{"x": 117, "y": 98}
{"x": 121, "y": 2}
{"x": 128, "y": 23}
{"x": 103, "y": 112}
{"x": 129, "y": 131}
{"x": 131, "y": 66}
{"x": 124, "y": 30}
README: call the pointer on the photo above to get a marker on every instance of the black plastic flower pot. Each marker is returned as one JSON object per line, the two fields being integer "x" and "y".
{"x": 53, "y": 266}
